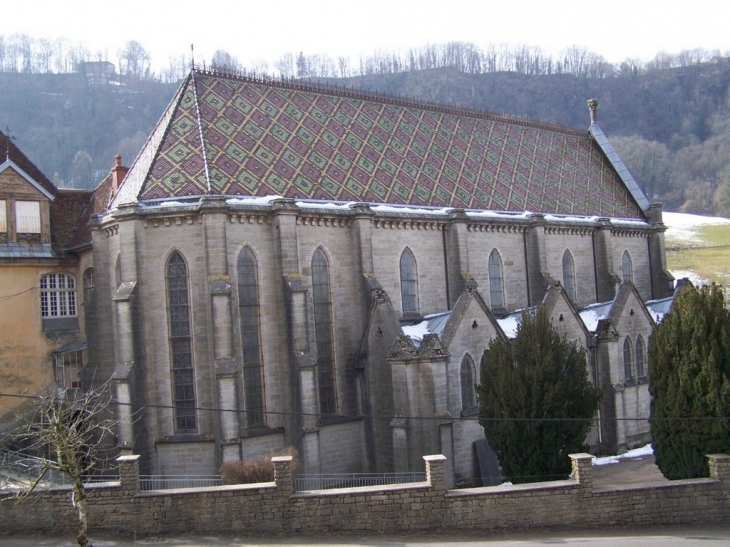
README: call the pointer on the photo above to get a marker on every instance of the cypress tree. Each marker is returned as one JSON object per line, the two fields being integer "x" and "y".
{"x": 689, "y": 380}
{"x": 536, "y": 402}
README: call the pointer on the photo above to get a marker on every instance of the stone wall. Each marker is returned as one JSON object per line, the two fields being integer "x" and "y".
{"x": 272, "y": 507}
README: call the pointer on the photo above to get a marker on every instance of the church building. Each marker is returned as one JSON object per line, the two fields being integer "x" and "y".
{"x": 291, "y": 264}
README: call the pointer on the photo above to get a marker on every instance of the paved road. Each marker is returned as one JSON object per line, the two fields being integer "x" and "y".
{"x": 652, "y": 537}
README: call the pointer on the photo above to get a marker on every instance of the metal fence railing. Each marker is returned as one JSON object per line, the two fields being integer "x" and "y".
{"x": 169, "y": 482}
{"x": 346, "y": 480}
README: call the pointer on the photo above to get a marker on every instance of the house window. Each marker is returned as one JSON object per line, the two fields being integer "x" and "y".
{"x": 628, "y": 365}
{"x": 58, "y": 295}
{"x": 408, "y": 283}
{"x": 3, "y": 223}
{"x": 28, "y": 222}
{"x": 468, "y": 396}
{"x": 496, "y": 286}
{"x": 28, "y": 217}
{"x": 178, "y": 307}
{"x": 640, "y": 357}
{"x": 88, "y": 283}
{"x": 569, "y": 274}
{"x": 248, "y": 305}
{"x": 69, "y": 367}
{"x": 323, "y": 333}
{"x": 626, "y": 267}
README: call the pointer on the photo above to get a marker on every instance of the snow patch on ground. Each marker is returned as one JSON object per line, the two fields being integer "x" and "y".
{"x": 696, "y": 280}
{"x": 635, "y": 453}
{"x": 684, "y": 227}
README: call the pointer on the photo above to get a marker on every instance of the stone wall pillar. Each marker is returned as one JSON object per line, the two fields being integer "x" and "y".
{"x": 283, "y": 474}
{"x": 720, "y": 467}
{"x": 457, "y": 254}
{"x": 435, "y": 472}
{"x": 583, "y": 470}
{"x": 129, "y": 474}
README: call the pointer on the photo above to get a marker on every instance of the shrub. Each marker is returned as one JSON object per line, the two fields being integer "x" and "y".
{"x": 536, "y": 402}
{"x": 689, "y": 380}
{"x": 255, "y": 470}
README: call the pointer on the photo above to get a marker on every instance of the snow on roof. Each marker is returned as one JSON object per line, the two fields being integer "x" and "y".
{"x": 510, "y": 325}
{"x": 431, "y": 324}
{"x": 659, "y": 308}
{"x": 592, "y": 314}
{"x": 266, "y": 200}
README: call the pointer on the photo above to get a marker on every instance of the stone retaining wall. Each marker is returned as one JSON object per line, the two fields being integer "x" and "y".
{"x": 273, "y": 507}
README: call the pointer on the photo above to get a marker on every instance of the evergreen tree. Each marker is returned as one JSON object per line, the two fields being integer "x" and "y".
{"x": 536, "y": 402}
{"x": 689, "y": 380}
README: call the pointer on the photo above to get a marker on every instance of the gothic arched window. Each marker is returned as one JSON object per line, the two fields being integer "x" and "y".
{"x": 569, "y": 274}
{"x": 628, "y": 365}
{"x": 496, "y": 285}
{"x": 640, "y": 357}
{"x": 248, "y": 305}
{"x": 468, "y": 396}
{"x": 181, "y": 344}
{"x": 627, "y": 268}
{"x": 323, "y": 333}
{"x": 408, "y": 282}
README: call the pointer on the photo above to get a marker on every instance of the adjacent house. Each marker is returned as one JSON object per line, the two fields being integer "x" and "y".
{"x": 43, "y": 281}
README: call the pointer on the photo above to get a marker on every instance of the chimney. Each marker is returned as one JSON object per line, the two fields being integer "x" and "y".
{"x": 592, "y": 108}
{"x": 118, "y": 173}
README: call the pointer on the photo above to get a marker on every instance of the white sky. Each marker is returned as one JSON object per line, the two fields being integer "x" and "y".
{"x": 250, "y": 30}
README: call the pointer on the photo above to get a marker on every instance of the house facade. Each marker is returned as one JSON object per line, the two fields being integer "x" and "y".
{"x": 262, "y": 270}
{"x": 42, "y": 334}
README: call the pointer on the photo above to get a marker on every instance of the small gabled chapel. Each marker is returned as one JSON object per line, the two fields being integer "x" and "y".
{"x": 292, "y": 264}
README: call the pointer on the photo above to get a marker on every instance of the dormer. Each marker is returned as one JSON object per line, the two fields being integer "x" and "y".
{"x": 25, "y": 203}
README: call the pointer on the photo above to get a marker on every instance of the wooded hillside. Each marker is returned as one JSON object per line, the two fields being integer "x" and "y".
{"x": 668, "y": 119}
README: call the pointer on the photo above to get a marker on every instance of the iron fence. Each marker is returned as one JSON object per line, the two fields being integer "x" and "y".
{"x": 347, "y": 480}
{"x": 169, "y": 482}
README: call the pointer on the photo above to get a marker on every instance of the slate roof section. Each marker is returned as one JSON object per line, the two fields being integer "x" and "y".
{"x": 67, "y": 212}
{"x": 8, "y": 150}
{"x": 98, "y": 201}
{"x": 238, "y": 136}
{"x": 619, "y": 165}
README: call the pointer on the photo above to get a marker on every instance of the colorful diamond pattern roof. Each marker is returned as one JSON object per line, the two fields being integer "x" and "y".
{"x": 236, "y": 136}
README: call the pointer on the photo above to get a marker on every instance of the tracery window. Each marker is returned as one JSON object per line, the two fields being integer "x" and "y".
{"x": 628, "y": 365}
{"x": 183, "y": 373}
{"x": 496, "y": 285}
{"x": 408, "y": 282}
{"x": 248, "y": 304}
{"x": 58, "y": 295}
{"x": 627, "y": 268}
{"x": 569, "y": 274}
{"x": 323, "y": 333}
{"x": 640, "y": 357}
{"x": 468, "y": 395}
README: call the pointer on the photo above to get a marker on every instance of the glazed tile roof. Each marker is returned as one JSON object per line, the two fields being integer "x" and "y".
{"x": 236, "y": 136}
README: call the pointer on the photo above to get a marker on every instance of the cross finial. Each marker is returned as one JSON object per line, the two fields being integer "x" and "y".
{"x": 192, "y": 57}
{"x": 8, "y": 136}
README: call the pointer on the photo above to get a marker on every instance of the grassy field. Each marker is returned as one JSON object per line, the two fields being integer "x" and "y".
{"x": 709, "y": 258}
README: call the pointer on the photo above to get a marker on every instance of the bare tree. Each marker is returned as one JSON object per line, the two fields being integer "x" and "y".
{"x": 72, "y": 430}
